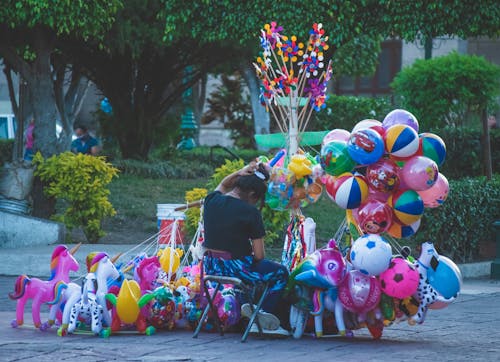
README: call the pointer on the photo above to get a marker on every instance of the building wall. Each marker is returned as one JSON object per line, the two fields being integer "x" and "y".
{"x": 441, "y": 46}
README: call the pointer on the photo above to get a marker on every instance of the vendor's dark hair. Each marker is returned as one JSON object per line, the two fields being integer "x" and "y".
{"x": 255, "y": 183}
{"x": 81, "y": 126}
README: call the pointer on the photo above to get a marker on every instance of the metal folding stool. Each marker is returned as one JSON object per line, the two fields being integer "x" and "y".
{"x": 250, "y": 290}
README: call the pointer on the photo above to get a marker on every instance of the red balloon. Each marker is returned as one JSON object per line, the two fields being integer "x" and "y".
{"x": 374, "y": 216}
{"x": 383, "y": 175}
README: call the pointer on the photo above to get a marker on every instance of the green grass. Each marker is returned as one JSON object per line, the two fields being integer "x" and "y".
{"x": 135, "y": 198}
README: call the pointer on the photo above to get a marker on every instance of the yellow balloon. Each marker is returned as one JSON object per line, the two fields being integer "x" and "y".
{"x": 126, "y": 304}
{"x": 300, "y": 165}
{"x": 170, "y": 259}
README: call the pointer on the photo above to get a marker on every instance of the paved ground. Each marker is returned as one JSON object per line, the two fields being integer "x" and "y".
{"x": 468, "y": 329}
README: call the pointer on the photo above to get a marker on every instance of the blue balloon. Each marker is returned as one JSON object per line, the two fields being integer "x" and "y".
{"x": 446, "y": 278}
{"x": 106, "y": 106}
{"x": 365, "y": 146}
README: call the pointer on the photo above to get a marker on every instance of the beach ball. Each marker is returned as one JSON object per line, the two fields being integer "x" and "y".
{"x": 398, "y": 230}
{"x": 446, "y": 278}
{"x": 335, "y": 159}
{"x": 374, "y": 216}
{"x": 347, "y": 190}
{"x": 437, "y": 194}
{"x": 432, "y": 146}
{"x": 359, "y": 293}
{"x": 371, "y": 254}
{"x": 365, "y": 146}
{"x": 419, "y": 173}
{"x": 400, "y": 280}
{"x": 336, "y": 134}
{"x": 383, "y": 175}
{"x": 401, "y": 141}
{"x": 369, "y": 123}
{"x": 407, "y": 206}
{"x": 402, "y": 117}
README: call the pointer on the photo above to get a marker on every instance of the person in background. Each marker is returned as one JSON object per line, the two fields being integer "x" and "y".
{"x": 29, "y": 140}
{"x": 233, "y": 223}
{"x": 84, "y": 143}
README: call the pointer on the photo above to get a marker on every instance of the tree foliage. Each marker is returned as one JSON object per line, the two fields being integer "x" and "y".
{"x": 448, "y": 90}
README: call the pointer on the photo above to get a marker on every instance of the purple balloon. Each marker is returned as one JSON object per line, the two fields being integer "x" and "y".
{"x": 400, "y": 116}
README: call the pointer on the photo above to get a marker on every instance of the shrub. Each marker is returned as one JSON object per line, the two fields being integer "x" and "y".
{"x": 6, "y": 149}
{"x": 80, "y": 181}
{"x": 464, "y": 220}
{"x": 345, "y": 111}
{"x": 451, "y": 89}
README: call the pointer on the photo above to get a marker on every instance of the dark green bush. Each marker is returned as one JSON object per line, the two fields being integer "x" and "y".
{"x": 345, "y": 111}
{"x": 452, "y": 89}
{"x": 199, "y": 162}
{"x": 464, "y": 220}
{"x": 6, "y": 149}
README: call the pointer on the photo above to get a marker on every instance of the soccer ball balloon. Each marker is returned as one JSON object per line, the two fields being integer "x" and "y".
{"x": 400, "y": 280}
{"x": 371, "y": 254}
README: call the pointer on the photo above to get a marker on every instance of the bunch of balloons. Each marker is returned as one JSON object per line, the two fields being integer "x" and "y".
{"x": 294, "y": 181}
{"x": 385, "y": 173}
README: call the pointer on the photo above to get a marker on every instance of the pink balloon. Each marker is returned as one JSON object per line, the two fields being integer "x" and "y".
{"x": 359, "y": 293}
{"x": 336, "y": 135}
{"x": 420, "y": 173}
{"x": 437, "y": 194}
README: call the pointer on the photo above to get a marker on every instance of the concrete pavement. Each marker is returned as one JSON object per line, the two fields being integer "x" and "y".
{"x": 466, "y": 330}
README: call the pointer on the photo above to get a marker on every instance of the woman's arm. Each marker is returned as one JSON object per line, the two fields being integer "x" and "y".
{"x": 227, "y": 184}
{"x": 259, "y": 251}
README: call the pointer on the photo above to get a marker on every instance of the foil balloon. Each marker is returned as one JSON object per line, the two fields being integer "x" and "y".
{"x": 359, "y": 293}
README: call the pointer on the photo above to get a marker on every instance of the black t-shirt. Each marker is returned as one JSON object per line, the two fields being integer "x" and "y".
{"x": 230, "y": 224}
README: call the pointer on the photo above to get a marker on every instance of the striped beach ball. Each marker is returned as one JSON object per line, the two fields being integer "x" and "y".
{"x": 401, "y": 141}
{"x": 399, "y": 231}
{"x": 347, "y": 190}
{"x": 407, "y": 205}
{"x": 432, "y": 146}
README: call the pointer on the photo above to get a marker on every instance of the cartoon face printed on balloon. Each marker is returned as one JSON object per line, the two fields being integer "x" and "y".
{"x": 420, "y": 173}
{"x": 374, "y": 216}
{"x": 383, "y": 175}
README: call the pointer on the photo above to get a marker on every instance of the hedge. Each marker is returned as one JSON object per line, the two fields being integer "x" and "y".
{"x": 464, "y": 220}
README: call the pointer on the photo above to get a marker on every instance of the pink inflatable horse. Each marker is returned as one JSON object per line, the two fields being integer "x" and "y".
{"x": 41, "y": 291}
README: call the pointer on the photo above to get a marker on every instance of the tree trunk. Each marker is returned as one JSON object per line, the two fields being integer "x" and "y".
{"x": 488, "y": 170}
{"x": 134, "y": 141}
{"x": 428, "y": 47}
{"x": 199, "y": 95}
{"x": 260, "y": 115}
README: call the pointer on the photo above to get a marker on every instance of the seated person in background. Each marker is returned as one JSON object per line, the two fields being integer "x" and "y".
{"x": 232, "y": 223}
{"x": 84, "y": 143}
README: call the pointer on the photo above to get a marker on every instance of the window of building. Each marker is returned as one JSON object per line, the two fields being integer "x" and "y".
{"x": 389, "y": 65}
